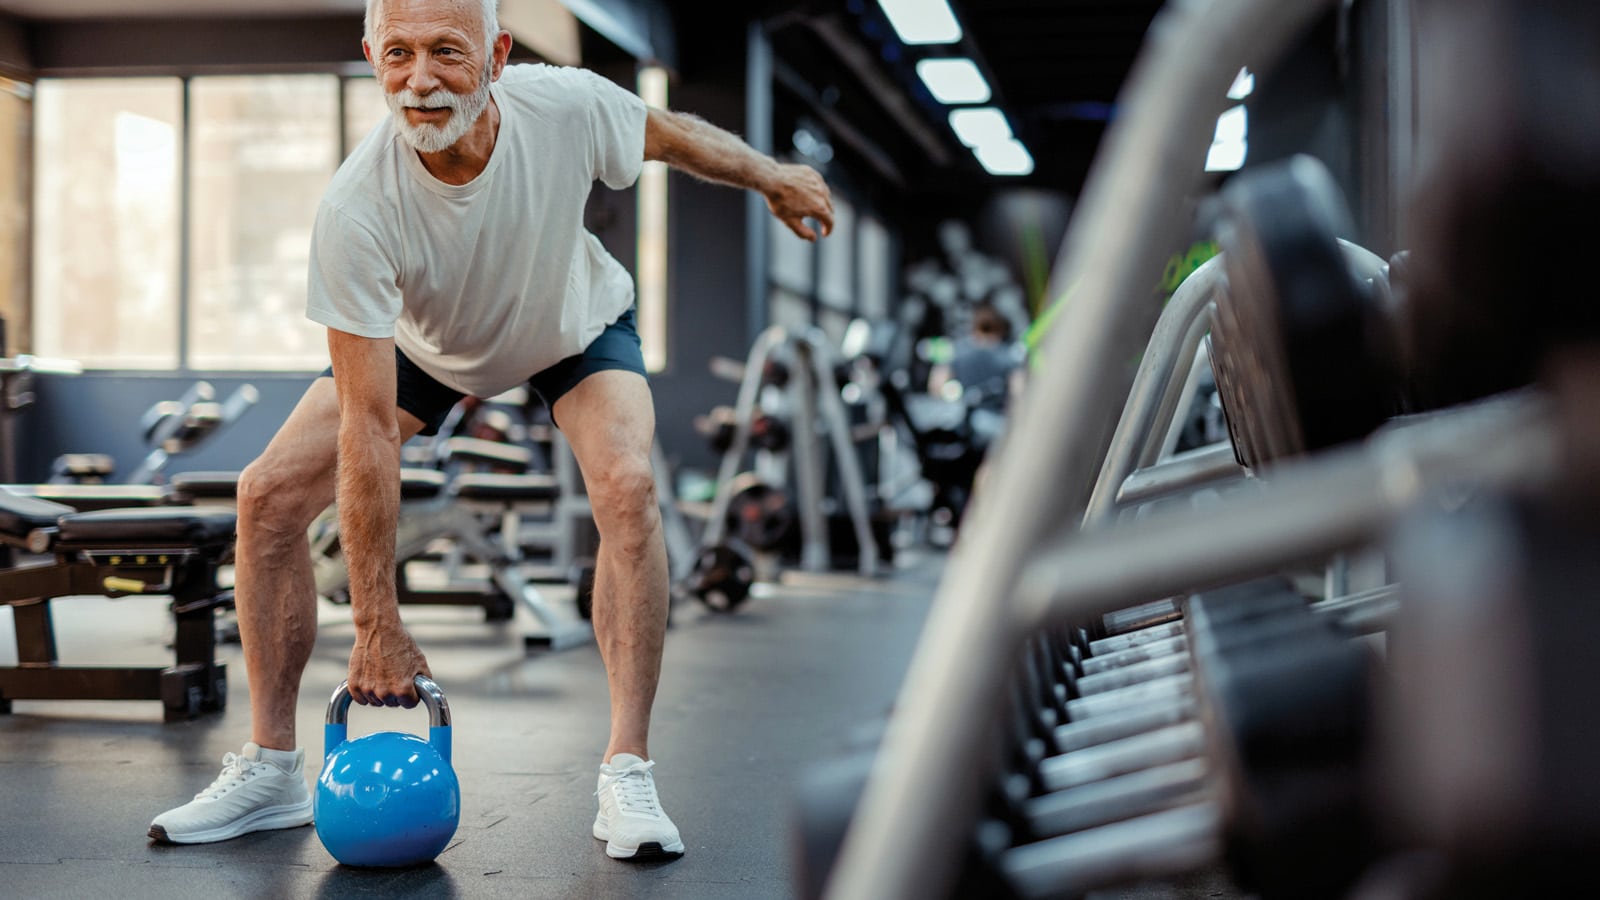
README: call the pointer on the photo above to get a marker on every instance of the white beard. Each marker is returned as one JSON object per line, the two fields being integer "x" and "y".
{"x": 428, "y": 138}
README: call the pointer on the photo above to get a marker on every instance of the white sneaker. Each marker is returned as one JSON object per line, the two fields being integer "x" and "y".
{"x": 631, "y": 820}
{"x": 249, "y": 795}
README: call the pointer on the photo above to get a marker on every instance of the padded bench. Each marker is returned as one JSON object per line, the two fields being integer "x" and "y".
{"x": 89, "y": 497}
{"x": 166, "y": 551}
{"x": 208, "y": 488}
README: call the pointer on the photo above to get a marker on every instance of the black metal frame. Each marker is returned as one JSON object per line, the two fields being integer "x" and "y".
{"x": 195, "y": 683}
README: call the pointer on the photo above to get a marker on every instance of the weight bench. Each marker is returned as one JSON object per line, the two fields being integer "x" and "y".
{"x": 433, "y": 508}
{"x": 115, "y": 553}
{"x": 463, "y": 511}
{"x": 90, "y": 497}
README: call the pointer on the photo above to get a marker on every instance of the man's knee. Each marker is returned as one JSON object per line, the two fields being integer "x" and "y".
{"x": 624, "y": 497}
{"x": 274, "y": 497}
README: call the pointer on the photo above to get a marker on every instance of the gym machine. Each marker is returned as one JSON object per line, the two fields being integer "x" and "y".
{"x": 722, "y": 572}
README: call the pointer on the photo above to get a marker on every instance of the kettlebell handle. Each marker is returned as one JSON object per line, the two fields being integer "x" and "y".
{"x": 427, "y": 689}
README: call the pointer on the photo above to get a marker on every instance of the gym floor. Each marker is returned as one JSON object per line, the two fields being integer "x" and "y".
{"x": 747, "y": 701}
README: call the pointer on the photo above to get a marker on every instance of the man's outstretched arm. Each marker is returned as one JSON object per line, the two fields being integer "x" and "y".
{"x": 794, "y": 193}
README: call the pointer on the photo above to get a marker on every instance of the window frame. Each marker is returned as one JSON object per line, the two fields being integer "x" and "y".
{"x": 342, "y": 75}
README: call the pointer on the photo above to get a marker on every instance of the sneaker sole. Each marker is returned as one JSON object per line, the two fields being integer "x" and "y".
{"x": 646, "y": 850}
{"x": 268, "y": 819}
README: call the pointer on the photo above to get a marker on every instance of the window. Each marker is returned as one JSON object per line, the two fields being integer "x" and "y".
{"x": 262, "y": 149}
{"x": 364, "y": 107}
{"x": 791, "y": 259}
{"x": 651, "y": 250}
{"x": 106, "y": 227}
{"x": 873, "y": 274}
{"x": 16, "y": 101}
{"x": 835, "y": 279}
{"x": 114, "y": 286}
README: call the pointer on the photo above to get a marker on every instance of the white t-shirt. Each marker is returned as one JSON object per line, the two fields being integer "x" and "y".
{"x": 484, "y": 284}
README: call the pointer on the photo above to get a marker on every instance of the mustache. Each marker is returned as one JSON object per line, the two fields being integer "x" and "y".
{"x": 434, "y": 100}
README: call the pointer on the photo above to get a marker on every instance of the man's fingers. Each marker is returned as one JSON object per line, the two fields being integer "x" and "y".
{"x": 798, "y": 226}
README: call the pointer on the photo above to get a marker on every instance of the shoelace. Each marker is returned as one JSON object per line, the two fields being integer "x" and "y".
{"x": 235, "y": 770}
{"x": 636, "y": 794}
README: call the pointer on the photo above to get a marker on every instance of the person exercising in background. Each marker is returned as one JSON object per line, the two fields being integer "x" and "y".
{"x": 982, "y": 364}
{"x": 449, "y": 258}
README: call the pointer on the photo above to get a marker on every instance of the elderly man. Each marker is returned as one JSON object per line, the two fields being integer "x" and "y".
{"x": 449, "y": 259}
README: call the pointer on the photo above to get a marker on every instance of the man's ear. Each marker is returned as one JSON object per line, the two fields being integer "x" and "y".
{"x": 502, "y": 52}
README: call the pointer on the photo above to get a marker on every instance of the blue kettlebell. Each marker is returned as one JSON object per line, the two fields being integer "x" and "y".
{"x": 387, "y": 799}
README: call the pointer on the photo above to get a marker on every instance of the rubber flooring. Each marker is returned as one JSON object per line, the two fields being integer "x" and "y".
{"x": 746, "y": 702}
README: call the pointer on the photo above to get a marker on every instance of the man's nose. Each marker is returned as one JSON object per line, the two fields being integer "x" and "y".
{"x": 422, "y": 78}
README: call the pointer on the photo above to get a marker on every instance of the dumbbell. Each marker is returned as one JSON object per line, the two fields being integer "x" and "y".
{"x": 1304, "y": 357}
{"x": 718, "y": 428}
{"x": 1128, "y": 718}
{"x": 1176, "y": 824}
{"x": 1489, "y": 769}
{"x": 1365, "y": 612}
{"x": 760, "y": 515}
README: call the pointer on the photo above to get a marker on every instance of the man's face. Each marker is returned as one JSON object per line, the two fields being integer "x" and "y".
{"x": 435, "y": 69}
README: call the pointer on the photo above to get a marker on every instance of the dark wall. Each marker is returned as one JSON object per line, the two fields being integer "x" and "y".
{"x": 16, "y": 60}
{"x": 98, "y": 412}
{"x": 707, "y": 313}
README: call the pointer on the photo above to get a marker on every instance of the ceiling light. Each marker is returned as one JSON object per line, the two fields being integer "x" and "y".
{"x": 922, "y": 21}
{"x": 1231, "y": 143}
{"x": 1243, "y": 86}
{"x": 1007, "y": 157}
{"x": 978, "y": 127}
{"x": 1227, "y": 157}
{"x": 1232, "y": 126}
{"x": 954, "y": 80}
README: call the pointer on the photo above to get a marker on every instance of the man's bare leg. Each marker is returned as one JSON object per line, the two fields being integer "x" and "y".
{"x": 609, "y": 419}
{"x": 279, "y": 494}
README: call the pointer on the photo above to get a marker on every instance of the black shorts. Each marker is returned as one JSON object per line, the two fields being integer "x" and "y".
{"x": 617, "y": 347}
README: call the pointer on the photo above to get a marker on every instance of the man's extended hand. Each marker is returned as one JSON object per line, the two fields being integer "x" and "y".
{"x": 798, "y": 193}
{"x": 383, "y": 666}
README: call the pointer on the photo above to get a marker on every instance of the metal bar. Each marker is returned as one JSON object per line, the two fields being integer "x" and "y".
{"x": 1125, "y": 722}
{"x": 81, "y": 683}
{"x": 1169, "y": 344}
{"x": 1120, "y": 642}
{"x": 1175, "y": 387}
{"x": 816, "y": 551}
{"x": 1170, "y": 688}
{"x": 1152, "y": 846}
{"x": 1114, "y": 799}
{"x": 1137, "y": 618}
{"x": 1356, "y": 492}
{"x": 1186, "y": 400}
{"x": 1338, "y": 605}
{"x": 1131, "y": 754}
{"x": 35, "y": 633}
{"x": 1134, "y": 673}
{"x": 1204, "y": 466}
{"x": 1096, "y": 665}
{"x": 844, "y": 449}
{"x": 749, "y": 389}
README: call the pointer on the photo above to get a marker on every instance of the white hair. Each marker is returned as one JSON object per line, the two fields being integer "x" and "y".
{"x": 374, "y": 17}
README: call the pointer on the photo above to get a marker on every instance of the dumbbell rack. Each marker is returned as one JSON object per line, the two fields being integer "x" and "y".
{"x": 1024, "y": 566}
{"x": 817, "y": 409}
